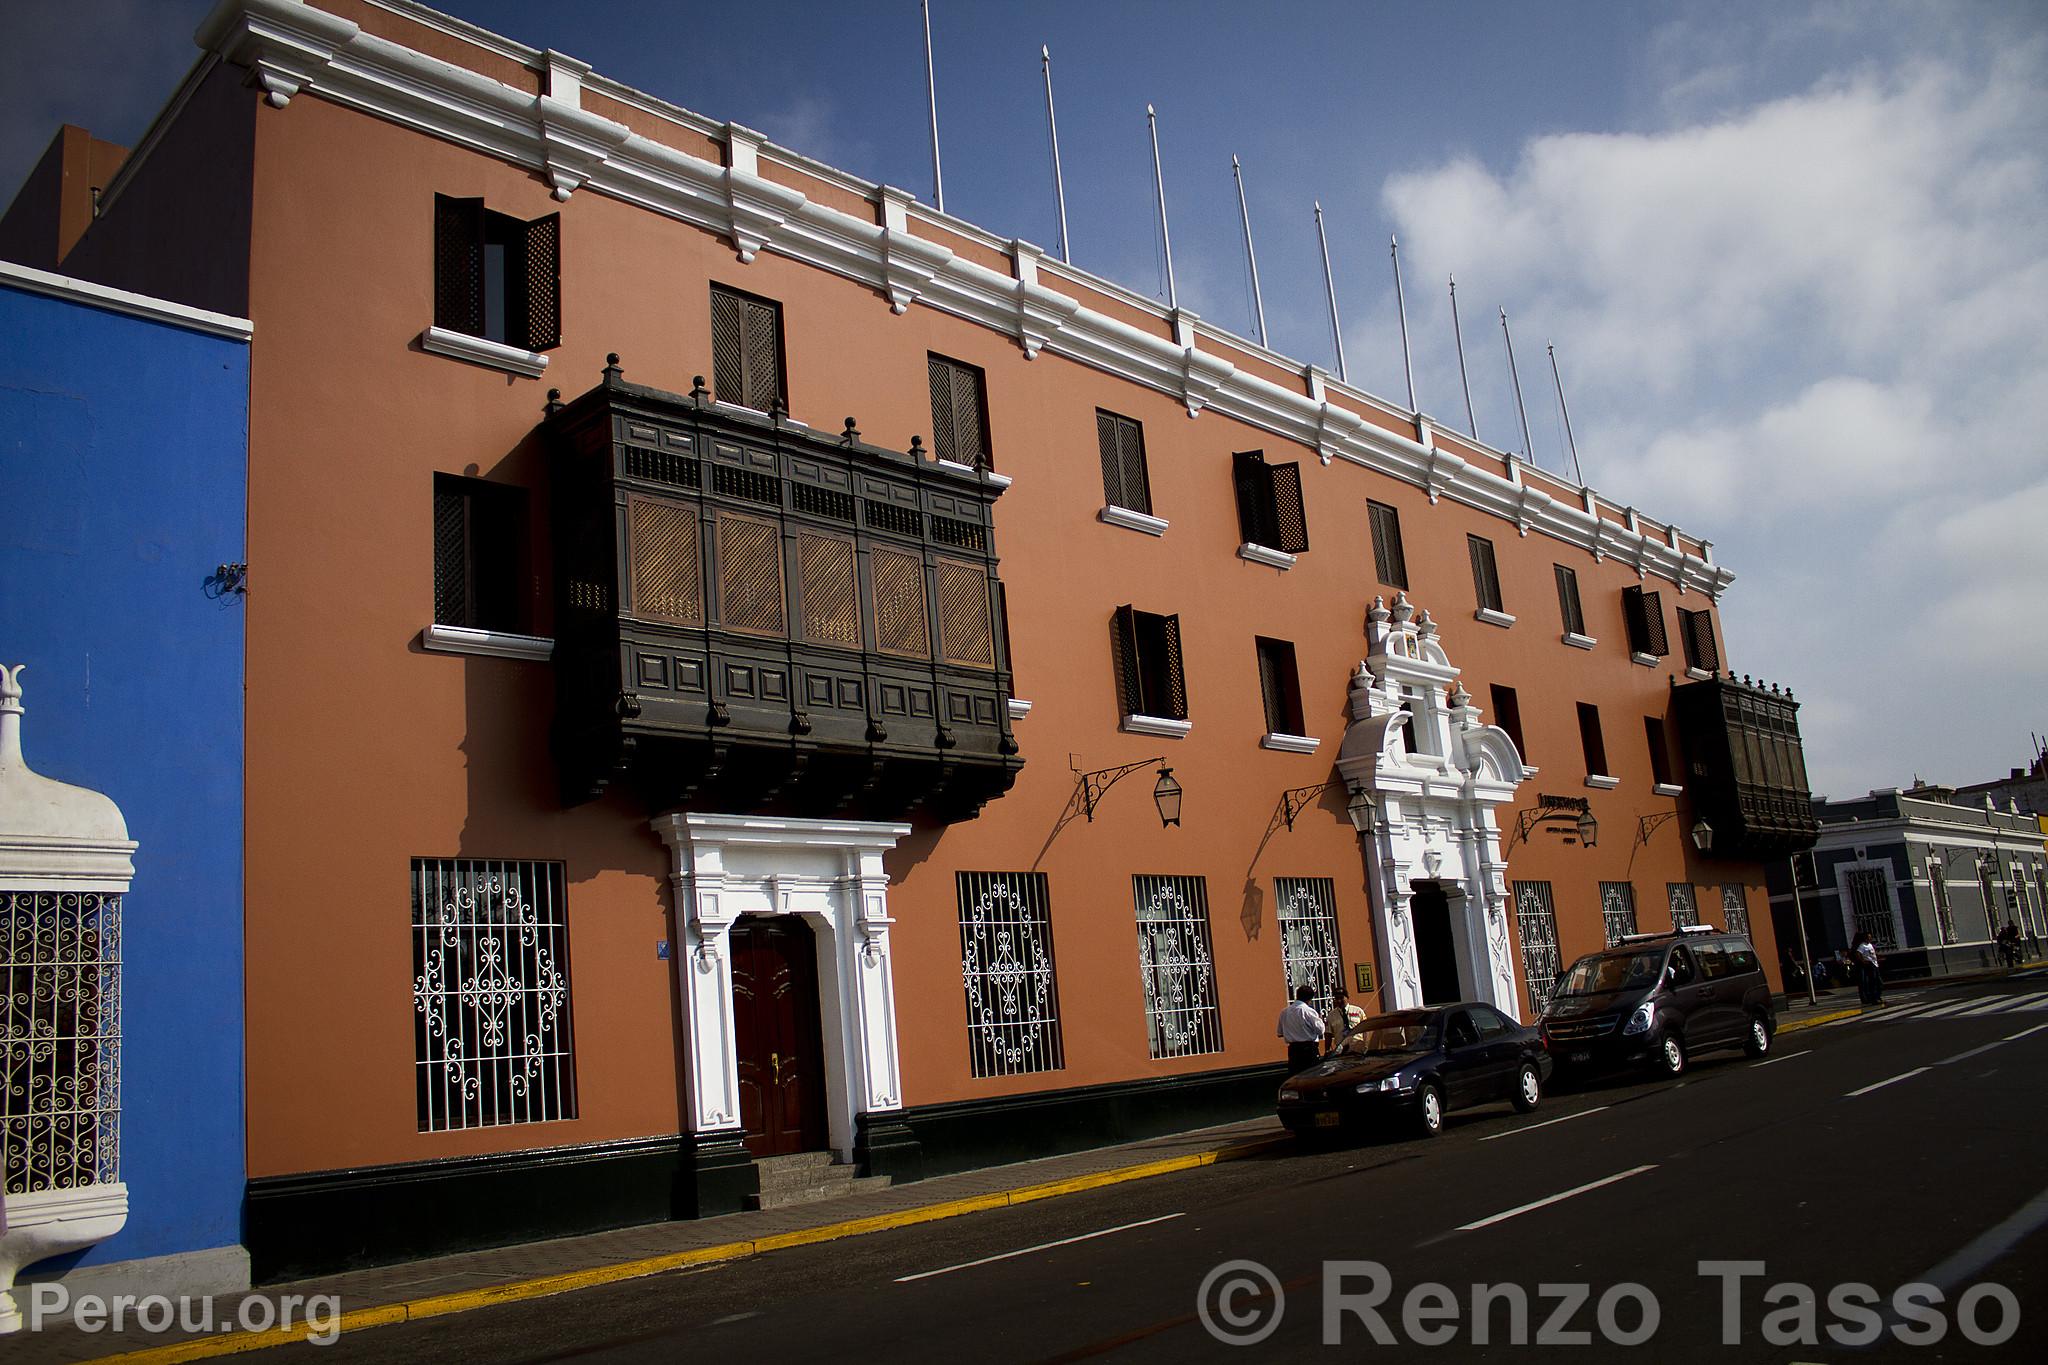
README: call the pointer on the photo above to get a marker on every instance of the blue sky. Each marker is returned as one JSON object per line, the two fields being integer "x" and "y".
{"x": 1794, "y": 257}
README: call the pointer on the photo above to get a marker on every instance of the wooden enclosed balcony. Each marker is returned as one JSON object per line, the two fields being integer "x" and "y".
{"x": 1746, "y": 770}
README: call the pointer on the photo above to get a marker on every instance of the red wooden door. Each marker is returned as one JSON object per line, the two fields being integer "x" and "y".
{"x": 775, "y": 1021}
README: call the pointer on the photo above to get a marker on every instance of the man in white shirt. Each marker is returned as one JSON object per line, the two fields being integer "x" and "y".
{"x": 1301, "y": 1028}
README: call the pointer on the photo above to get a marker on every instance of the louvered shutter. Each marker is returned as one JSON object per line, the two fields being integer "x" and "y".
{"x": 1697, "y": 630}
{"x": 728, "y": 345}
{"x": 1568, "y": 600}
{"x": 451, "y": 559}
{"x": 1290, "y": 521}
{"x": 1382, "y": 568}
{"x": 1645, "y": 612}
{"x": 1254, "y": 492}
{"x": 1130, "y": 683}
{"x": 763, "y": 354}
{"x": 1485, "y": 573}
{"x": 1175, "y": 702}
{"x": 459, "y": 264}
{"x": 1112, "y": 468}
{"x": 970, "y": 426}
{"x": 945, "y": 439}
{"x": 1130, "y": 453}
{"x": 541, "y": 266}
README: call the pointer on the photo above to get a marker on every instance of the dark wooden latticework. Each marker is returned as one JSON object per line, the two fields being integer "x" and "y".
{"x": 746, "y": 350}
{"x": 966, "y": 634}
{"x": 959, "y": 430}
{"x": 665, "y": 572}
{"x": 830, "y": 596}
{"x": 750, "y": 575}
{"x": 543, "y": 280}
{"x": 901, "y": 623}
{"x": 459, "y": 264}
{"x": 1122, "y": 447}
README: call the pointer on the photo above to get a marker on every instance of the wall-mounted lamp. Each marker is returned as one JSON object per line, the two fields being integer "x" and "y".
{"x": 1360, "y": 806}
{"x": 1089, "y": 788}
{"x": 1166, "y": 796}
{"x": 1703, "y": 835}
{"x": 1646, "y": 825}
{"x": 1555, "y": 808}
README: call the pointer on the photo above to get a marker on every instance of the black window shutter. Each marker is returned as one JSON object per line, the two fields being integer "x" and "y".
{"x": 541, "y": 266}
{"x": 459, "y": 264}
{"x": 1696, "y": 629}
{"x": 1568, "y": 600}
{"x": 1124, "y": 634}
{"x": 945, "y": 438}
{"x": 1654, "y": 641}
{"x": 970, "y": 422}
{"x": 1290, "y": 521}
{"x": 1485, "y": 573}
{"x": 1382, "y": 569}
{"x": 1388, "y": 561}
{"x": 728, "y": 343}
{"x": 763, "y": 354}
{"x": 451, "y": 558}
{"x": 1130, "y": 452}
{"x": 1638, "y": 620}
{"x": 1112, "y": 468}
{"x": 1254, "y": 493}
{"x": 1176, "y": 698}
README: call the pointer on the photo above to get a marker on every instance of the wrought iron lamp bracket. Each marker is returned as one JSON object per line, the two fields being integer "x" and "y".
{"x": 1646, "y": 825}
{"x": 1089, "y": 788}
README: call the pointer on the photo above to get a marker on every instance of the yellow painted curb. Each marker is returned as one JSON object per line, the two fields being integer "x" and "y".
{"x": 441, "y": 1305}
{"x": 1817, "y": 1020}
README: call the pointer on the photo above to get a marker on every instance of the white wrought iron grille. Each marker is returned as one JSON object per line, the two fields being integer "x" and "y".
{"x": 1536, "y": 922}
{"x": 1685, "y": 909}
{"x": 491, "y": 993}
{"x": 1734, "y": 909}
{"x": 60, "y": 1051}
{"x": 1310, "y": 950}
{"x": 1013, "y": 998}
{"x": 1870, "y": 898}
{"x": 1618, "y": 910}
{"x": 1181, "y": 1013}
{"x": 1987, "y": 896}
{"x": 1937, "y": 886}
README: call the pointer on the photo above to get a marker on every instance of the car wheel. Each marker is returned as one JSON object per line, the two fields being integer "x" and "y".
{"x": 1670, "y": 1059}
{"x": 1429, "y": 1110}
{"x": 1528, "y": 1089}
{"x": 1758, "y": 1040}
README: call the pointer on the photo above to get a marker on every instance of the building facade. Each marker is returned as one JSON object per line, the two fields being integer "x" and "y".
{"x": 121, "y": 1101}
{"x": 748, "y": 664}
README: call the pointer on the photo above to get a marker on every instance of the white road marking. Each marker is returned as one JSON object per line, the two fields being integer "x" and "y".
{"x": 2015, "y": 1037}
{"x": 1042, "y": 1246}
{"x": 1949, "y": 1009}
{"x": 1553, "y": 1199}
{"x": 1970, "y": 1262}
{"x": 1903, "y": 1075}
{"x": 1785, "y": 1057}
{"x": 1912, "y": 1012}
{"x": 1973, "y": 1052}
{"x": 1531, "y": 1127}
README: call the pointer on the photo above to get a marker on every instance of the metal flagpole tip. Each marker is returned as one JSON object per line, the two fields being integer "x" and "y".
{"x": 1148, "y": 111}
{"x": 1045, "y": 51}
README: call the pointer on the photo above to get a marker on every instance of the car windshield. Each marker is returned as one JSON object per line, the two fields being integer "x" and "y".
{"x": 1389, "y": 1034}
{"x": 1615, "y": 972}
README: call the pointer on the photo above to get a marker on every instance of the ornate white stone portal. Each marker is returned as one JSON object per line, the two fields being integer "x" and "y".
{"x": 828, "y": 871}
{"x": 1436, "y": 773}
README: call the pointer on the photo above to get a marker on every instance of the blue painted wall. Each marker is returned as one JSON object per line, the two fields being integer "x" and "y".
{"x": 123, "y": 473}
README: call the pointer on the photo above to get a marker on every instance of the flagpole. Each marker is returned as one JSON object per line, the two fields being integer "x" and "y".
{"x": 1330, "y": 285}
{"x": 1401, "y": 302}
{"x": 1258, "y": 303}
{"x": 1059, "y": 187}
{"x": 1159, "y": 181}
{"x": 1563, "y": 407}
{"x": 931, "y": 90}
{"x": 1528, "y": 447}
{"x": 1457, "y": 334}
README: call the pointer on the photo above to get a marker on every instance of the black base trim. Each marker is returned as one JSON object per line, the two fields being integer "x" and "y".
{"x": 969, "y": 1134}
{"x": 884, "y": 1146}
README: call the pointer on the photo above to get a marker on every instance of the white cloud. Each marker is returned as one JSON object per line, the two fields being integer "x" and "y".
{"x": 1810, "y": 327}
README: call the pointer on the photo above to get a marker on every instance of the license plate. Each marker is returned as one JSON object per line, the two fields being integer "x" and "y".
{"x": 1327, "y": 1120}
{"x": 1582, "y": 1056}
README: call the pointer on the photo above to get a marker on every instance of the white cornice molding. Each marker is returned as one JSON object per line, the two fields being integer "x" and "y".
{"x": 478, "y": 351}
{"x": 289, "y": 47}
{"x": 122, "y": 301}
{"x": 1132, "y": 521}
{"x": 497, "y": 644}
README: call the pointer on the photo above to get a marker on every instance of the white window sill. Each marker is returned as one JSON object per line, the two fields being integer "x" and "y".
{"x": 1290, "y": 744}
{"x": 1132, "y": 521}
{"x": 1156, "y": 725}
{"x": 999, "y": 480}
{"x": 1493, "y": 618}
{"x": 1019, "y": 708}
{"x": 1578, "y": 641}
{"x": 492, "y": 355}
{"x": 1667, "y": 789}
{"x": 1601, "y": 783}
{"x": 1698, "y": 674}
{"x": 496, "y": 644}
{"x": 1259, "y": 554}
{"x": 1646, "y": 660}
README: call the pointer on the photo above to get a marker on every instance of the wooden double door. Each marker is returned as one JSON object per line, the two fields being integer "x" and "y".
{"x": 776, "y": 1034}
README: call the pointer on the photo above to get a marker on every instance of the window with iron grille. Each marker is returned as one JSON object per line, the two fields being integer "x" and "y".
{"x": 746, "y": 350}
{"x": 1870, "y": 902}
{"x": 1148, "y": 664}
{"x": 1121, "y": 443}
{"x": 1937, "y": 887}
{"x": 490, "y": 991}
{"x": 1013, "y": 998}
{"x": 966, "y": 627}
{"x": 1617, "y": 910}
{"x": 60, "y": 1051}
{"x": 1685, "y": 909}
{"x": 664, "y": 569}
{"x": 1568, "y": 607}
{"x": 1280, "y": 685}
{"x": 1644, "y": 612}
{"x": 1590, "y": 740}
{"x": 1182, "y": 1017}
{"x": 1734, "y": 909}
{"x": 750, "y": 575}
{"x": 1536, "y": 925}
{"x": 1658, "y": 739}
{"x": 1507, "y": 714}
{"x": 830, "y": 598}
{"x": 2040, "y": 899}
{"x": 1696, "y": 633}
{"x": 1311, "y": 953}
{"x": 1388, "y": 563}
{"x": 495, "y": 276}
{"x": 1485, "y": 574}
{"x": 479, "y": 554}
{"x": 959, "y": 412}
{"x": 901, "y": 623}
{"x": 1269, "y": 510}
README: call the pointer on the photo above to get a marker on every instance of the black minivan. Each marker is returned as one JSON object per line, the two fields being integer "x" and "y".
{"x": 1659, "y": 999}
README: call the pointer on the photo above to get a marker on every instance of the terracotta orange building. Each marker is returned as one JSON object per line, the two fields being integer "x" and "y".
{"x": 741, "y": 664}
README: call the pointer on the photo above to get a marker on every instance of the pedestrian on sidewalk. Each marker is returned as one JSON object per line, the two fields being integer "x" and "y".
{"x": 1301, "y": 1028}
{"x": 1342, "y": 1017}
{"x": 1870, "y": 978}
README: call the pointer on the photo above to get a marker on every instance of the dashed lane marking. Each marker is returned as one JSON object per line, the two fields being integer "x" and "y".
{"x": 1889, "y": 1080}
{"x": 1558, "y": 1198}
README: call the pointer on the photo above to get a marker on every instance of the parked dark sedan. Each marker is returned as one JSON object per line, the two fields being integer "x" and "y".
{"x": 1415, "y": 1066}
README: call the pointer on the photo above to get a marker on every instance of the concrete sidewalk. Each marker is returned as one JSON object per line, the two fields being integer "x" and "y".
{"x": 455, "y": 1284}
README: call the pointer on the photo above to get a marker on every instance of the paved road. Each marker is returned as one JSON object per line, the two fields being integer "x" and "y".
{"x": 1886, "y": 1151}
